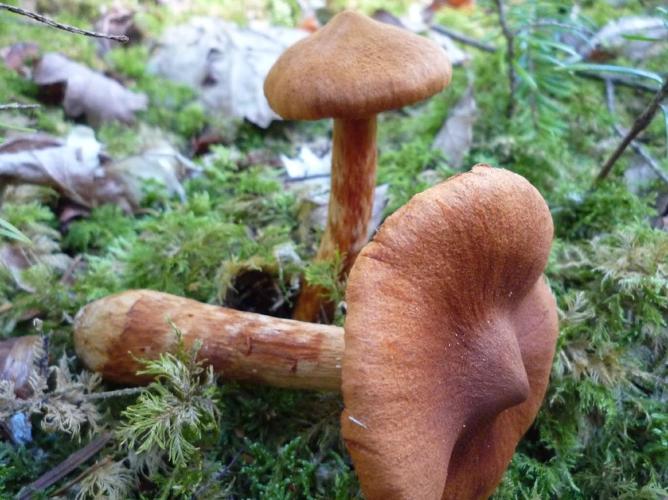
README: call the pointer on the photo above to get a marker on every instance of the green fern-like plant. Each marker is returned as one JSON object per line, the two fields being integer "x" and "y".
{"x": 175, "y": 411}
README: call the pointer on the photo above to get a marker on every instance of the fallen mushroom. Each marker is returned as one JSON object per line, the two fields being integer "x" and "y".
{"x": 351, "y": 70}
{"x": 242, "y": 345}
{"x": 449, "y": 339}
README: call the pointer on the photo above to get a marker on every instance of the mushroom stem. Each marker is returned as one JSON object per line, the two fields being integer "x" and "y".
{"x": 350, "y": 206}
{"x": 112, "y": 332}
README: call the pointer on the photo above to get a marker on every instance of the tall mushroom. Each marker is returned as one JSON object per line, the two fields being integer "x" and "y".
{"x": 449, "y": 339}
{"x": 351, "y": 70}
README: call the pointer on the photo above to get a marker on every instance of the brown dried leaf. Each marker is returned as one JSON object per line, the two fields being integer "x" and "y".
{"x": 456, "y": 135}
{"x": 613, "y": 39}
{"x": 19, "y": 56}
{"x": 18, "y": 358}
{"x": 88, "y": 92}
{"x": 224, "y": 63}
{"x": 71, "y": 166}
{"x": 116, "y": 20}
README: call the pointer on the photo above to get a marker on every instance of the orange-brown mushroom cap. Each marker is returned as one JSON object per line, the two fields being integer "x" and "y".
{"x": 449, "y": 335}
{"x": 355, "y": 67}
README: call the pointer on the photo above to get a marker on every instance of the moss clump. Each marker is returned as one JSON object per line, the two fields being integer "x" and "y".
{"x": 603, "y": 429}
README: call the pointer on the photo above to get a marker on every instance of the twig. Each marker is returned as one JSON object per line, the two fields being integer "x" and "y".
{"x": 486, "y": 47}
{"x": 128, "y": 391}
{"x": 510, "y": 55}
{"x": 97, "y": 465}
{"x": 637, "y": 147}
{"x": 64, "y": 27}
{"x": 639, "y": 125}
{"x": 17, "y": 105}
{"x": 66, "y": 466}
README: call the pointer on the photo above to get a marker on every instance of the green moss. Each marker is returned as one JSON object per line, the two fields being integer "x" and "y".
{"x": 584, "y": 214}
{"x": 105, "y": 224}
{"x": 14, "y": 29}
{"x": 404, "y": 170}
{"x": 603, "y": 428}
{"x": 119, "y": 139}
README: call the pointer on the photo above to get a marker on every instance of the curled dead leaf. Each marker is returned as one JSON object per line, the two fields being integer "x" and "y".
{"x": 19, "y": 356}
{"x": 87, "y": 92}
{"x": 456, "y": 135}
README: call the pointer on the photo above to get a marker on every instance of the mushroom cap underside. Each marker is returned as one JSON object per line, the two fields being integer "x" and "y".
{"x": 353, "y": 68}
{"x": 449, "y": 336}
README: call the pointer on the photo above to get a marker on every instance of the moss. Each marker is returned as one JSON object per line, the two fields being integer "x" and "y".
{"x": 14, "y": 29}
{"x": 584, "y": 214}
{"x": 105, "y": 224}
{"x": 603, "y": 429}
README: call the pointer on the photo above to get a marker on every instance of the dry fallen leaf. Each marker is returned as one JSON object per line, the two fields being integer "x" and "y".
{"x": 78, "y": 170}
{"x": 116, "y": 20}
{"x": 19, "y": 56}
{"x": 159, "y": 162}
{"x": 456, "y": 134}
{"x": 616, "y": 38}
{"x": 18, "y": 358}
{"x": 307, "y": 164}
{"x": 224, "y": 63}
{"x": 71, "y": 166}
{"x": 87, "y": 92}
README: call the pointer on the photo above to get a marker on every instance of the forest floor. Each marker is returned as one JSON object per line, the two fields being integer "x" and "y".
{"x": 173, "y": 175}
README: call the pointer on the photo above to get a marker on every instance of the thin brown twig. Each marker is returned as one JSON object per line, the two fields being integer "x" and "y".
{"x": 636, "y": 146}
{"x": 17, "y": 105}
{"x": 459, "y": 37}
{"x": 66, "y": 466}
{"x": 639, "y": 125}
{"x": 61, "y": 26}
{"x": 510, "y": 55}
{"x": 97, "y": 465}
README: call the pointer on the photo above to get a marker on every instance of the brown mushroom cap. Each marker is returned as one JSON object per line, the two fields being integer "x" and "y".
{"x": 449, "y": 337}
{"x": 355, "y": 67}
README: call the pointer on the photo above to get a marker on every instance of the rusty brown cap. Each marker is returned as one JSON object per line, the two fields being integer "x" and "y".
{"x": 449, "y": 335}
{"x": 355, "y": 67}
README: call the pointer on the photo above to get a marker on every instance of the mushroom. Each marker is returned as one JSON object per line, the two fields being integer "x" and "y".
{"x": 449, "y": 339}
{"x": 110, "y": 333}
{"x": 351, "y": 70}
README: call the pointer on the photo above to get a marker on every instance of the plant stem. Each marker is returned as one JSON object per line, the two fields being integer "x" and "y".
{"x": 638, "y": 148}
{"x": 639, "y": 125}
{"x": 510, "y": 56}
{"x": 17, "y": 105}
{"x": 61, "y": 26}
{"x": 459, "y": 37}
{"x": 66, "y": 466}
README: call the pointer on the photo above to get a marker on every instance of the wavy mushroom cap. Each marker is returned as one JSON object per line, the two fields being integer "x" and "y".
{"x": 449, "y": 337}
{"x": 355, "y": 67}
